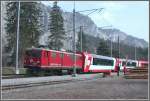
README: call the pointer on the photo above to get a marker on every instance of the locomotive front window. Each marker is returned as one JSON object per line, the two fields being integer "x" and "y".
{"x": 98, "y": 61}
{"x": 33, "y": 53}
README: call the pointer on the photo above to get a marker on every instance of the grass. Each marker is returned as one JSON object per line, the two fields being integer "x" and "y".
{"x": 11, "y": 70}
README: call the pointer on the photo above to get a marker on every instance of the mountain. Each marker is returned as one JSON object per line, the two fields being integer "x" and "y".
{"x": 112, "y": 34}
{"x": 90, "y": 28}
{"x": 92, "y": 31}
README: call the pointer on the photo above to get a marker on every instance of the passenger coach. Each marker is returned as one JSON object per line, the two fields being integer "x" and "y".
{"x": 102, "y": 63}
{"x": 38, "y": 60}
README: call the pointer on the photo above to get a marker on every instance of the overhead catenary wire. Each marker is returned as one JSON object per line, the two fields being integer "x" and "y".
{"x": 89, "y": 10}
{"x": 92, "y": 11}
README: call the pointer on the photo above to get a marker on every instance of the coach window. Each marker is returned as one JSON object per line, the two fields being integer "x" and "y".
{"x": 109, "y": 62}
{"x": 133, "y": 63}
{"x": 53, "y": 55}
{"x": 97, "y": 61}
{"x": 129, "y": 64}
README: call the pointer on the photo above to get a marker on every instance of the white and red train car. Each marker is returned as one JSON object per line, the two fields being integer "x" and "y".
{"x": 101, "y": 63}
{"x": 39, "y": 59}
{"x": 143, "y": 63}
{"x": 129, "y": 64}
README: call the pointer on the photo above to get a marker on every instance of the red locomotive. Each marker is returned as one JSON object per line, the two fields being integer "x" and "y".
{"x": 38, "y": 59}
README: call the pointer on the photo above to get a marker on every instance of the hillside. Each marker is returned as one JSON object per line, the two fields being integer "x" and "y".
{"x": 90, "y": 29}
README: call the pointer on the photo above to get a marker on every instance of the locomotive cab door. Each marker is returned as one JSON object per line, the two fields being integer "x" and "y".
{"x": 45, "y": 59}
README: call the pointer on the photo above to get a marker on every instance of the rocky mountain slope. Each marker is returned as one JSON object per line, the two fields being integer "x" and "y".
{"x": 92, "y": 29}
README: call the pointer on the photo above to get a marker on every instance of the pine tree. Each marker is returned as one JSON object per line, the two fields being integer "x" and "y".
{"x": 115, "y": 53}
{"x": 56, "y": 28}
{"x": 103, "y": 49}
{"x": 29, "y": 26}
{"x": 11, "y": 23}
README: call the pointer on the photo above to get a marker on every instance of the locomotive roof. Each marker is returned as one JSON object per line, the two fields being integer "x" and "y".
{"x": 51, "y": 50}
{"x": 102, "y": 57}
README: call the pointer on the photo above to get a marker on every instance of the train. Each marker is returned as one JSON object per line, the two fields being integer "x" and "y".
{"x": 39, "y": 60}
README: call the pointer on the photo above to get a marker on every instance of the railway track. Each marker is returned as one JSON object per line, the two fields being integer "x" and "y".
{"x": 10, "y": 87}
{"x": 24, "y": 76}
{"x": 137, "y": 73}
{"x": 20, "y": 76}
{"x": 25, "y": 85}
{"x": 13, "y": 76}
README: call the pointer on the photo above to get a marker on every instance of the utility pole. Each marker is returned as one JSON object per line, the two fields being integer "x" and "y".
{"x": 74, "y": 36}
{"x": 118, "y": 47}
{"x": 118, "y": 57}
{"x": 111, "y": 45}
{"x": 1, "y": 43}
{"x": 74, "y": 43}
{"x": 81, "y": 33}
{"x": 18, "y": 19}
{"x": 135, "y": 50}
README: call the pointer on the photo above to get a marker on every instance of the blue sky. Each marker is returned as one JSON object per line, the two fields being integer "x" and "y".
{"x": 131, "y": 17}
